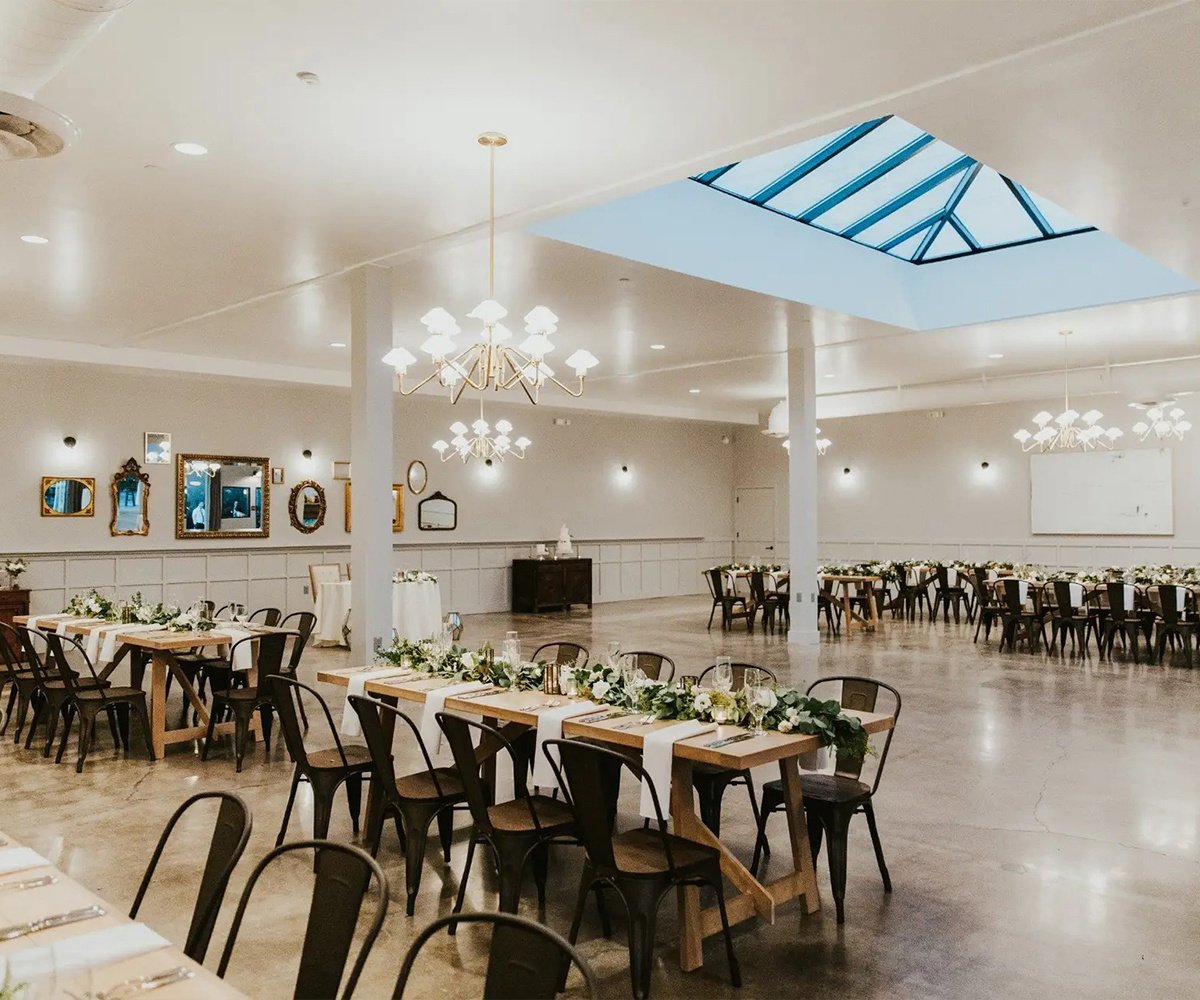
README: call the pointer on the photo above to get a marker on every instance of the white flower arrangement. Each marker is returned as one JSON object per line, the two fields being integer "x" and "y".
{"x": 15, "y": 567}
{"x": 413, "y": 576}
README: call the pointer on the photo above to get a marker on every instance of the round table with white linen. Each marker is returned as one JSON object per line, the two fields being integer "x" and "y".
{"x": 416, "y": 611}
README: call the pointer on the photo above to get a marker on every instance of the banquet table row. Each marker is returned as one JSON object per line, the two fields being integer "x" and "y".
{"x": 160, "y": 645}
{"x": 120, "y": 952}
{"x": 516, "y": 712}
{"x": 416, "y": 611}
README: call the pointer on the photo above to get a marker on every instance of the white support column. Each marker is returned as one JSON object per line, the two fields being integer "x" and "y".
{"x": 371, "y": 404}
{"x": 802, "y": 485}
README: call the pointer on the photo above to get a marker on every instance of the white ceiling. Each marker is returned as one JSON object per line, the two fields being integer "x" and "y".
{"x": 1092, "y": 105}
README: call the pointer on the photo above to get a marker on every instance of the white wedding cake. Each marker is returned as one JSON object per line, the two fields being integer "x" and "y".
{"x": 564, "y": 547}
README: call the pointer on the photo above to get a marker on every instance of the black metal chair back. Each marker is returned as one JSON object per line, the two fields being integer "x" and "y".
{"x": 591, "y": 794}
{"x": 656, "y": 666}
{"x": 304, "y": 623}
{"x": 1064, "y": 599}
{"x": 525, "y": 958}
{"x": 34, "y": 659}
{"x": 1172, "y": 602}
{"x": 458, "y": 735}
{"x": 230, "y": 836}
{"x": 369, "y": 712}
{"x": 1010, "y": 592}
{"x": 287, "y": 691}
{"x": 715, "y": 583}
{"x": 1118, "y": 606}
{"x": 270, "y": 616}
{"x": 565, "y": 654}
{"x": 12, "y": 657}
{"x": 739, "y": 674}
{"x": 862, "y": 695}
{"x": 57, "y": 667}
{"x": 343, "y": 876}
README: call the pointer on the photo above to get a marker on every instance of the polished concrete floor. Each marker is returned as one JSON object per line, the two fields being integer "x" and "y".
{"x": 1040, "y": 817}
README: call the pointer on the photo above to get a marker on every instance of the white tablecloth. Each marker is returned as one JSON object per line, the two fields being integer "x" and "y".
{"x": 416, "y": 611}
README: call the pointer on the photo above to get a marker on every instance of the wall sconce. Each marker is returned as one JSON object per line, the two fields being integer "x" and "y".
{"x": 984, "y": 465}
{"x": 68, "y": 442}
{"x": 625, "y": 469}
{"x": 307, "y": 453}
{"x": 846, "y": 471}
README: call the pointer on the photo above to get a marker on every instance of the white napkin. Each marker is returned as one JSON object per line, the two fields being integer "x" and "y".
{"x": 358, "y": 684}
{"x": 82, "y": 951}
{"x": 16, "y": 859}
{"x": 549, "y": 727}
{"x": 1076, "y": 593}
{"x": 658, "y": 748}
{"x": 243, "y": 655}
{"x": 435, "y": 701}
{"x": 1022, "y": 590}
{"x": 62, "y": 626}
{"x": 109, "y": 647}
{"x": 1129, "y": 598}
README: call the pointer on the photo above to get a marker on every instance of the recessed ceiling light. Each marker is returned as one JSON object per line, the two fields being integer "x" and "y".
{"x": 307, "y": 76}
{"x": 658, "y": 347}
{"x": 32, "y": 238}
{"x": 830, "y": 375}
{"x": 694, "y": 392}
{"x": 995, "y": 357}
{"x": 189, "y": 148}
{"x": 337, "y": 343}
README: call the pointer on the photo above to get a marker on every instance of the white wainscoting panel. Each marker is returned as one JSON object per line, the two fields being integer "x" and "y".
{"x": 473, "y": 577}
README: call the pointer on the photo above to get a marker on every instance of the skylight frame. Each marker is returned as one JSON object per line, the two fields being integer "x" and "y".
{"x": 855, "y": 182}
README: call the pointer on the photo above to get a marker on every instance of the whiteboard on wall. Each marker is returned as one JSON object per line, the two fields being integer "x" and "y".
{"x": 1102, "y": 493}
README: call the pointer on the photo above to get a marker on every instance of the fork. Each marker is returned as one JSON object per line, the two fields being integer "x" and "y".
{"x": 144, "y": 984}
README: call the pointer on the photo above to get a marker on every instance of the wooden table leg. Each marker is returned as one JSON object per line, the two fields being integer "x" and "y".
{"x": 793, "y": 804}
{"x": 683, "y": 810}
{"x": 847, "y": 612}
{"x": 876, "y": 621}
{"x": 158, "y": 704}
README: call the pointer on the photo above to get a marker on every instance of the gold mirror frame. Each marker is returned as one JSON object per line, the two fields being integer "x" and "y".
{"x": 264, "y": 464}
{"x": 130, "y": 470}
{"x": 413, "y": 466}
{"x": 294, "y": 503}
{"x": 89, "y": 484}
{"x": 397, "y": 513}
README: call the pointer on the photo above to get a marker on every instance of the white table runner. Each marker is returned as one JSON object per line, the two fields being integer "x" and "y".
{"x": 357, "y": 684}
{"x": 549, "y": 727}
{"x": 435, "y": 701}
{"x": 658, "y": 748}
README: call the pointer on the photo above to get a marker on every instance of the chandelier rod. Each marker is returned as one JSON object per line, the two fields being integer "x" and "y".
{"x": 491, "y": 223}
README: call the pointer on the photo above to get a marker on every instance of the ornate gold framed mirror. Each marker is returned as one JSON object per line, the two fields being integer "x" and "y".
{"x": 306, "y": 506}
{"x": 130, "y": 501}
{"x": 222, "y": 496}
{"x": 68, "y": 496}
{"x": 397, "y": 507}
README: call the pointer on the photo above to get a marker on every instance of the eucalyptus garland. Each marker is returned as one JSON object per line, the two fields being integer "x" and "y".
{"x": 787, "y": 710}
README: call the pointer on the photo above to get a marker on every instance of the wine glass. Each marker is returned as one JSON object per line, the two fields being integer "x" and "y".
{"x": 614, "y": 651}
{"x": 755, "y": 700}
{"x": 723, "y": 674}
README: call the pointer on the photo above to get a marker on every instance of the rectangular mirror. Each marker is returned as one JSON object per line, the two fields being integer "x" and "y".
{"x": 68, "y": 497}
{"x": 130, "y": 501}
{"x": 222, "y": 496}
{"x": 397, "y": 507}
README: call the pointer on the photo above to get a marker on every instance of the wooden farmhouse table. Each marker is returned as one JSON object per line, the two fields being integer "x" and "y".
{"x": 852, "y": 618}
{"x": 512, "y": 711}
{"x": 161, "y": 647}
{"x": 64, "y": 894}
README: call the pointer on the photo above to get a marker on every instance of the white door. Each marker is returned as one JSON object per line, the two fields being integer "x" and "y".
{"x": 754, "y": 524}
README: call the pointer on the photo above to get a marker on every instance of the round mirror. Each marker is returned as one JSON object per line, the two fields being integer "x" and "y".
{"x": 418, "y": 477}
{"x": 307, "y": 506}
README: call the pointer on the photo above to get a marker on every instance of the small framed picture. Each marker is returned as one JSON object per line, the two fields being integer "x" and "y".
{"x": 341, "y": 470}
{"x": 158, "y": 448}
{"x": 276, "y": 475}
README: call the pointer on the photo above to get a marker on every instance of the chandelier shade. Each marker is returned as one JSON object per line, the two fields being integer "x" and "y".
{"x": 1070, "y": 430}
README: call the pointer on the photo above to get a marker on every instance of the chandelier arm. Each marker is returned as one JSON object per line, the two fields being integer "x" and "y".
{"x": 428, "y": 378}
{"x": 568, "y": 390}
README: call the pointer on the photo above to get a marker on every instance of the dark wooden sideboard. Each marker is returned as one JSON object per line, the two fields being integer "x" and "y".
{"x": 13, "y": 602}
{"x": 550, "y": 584}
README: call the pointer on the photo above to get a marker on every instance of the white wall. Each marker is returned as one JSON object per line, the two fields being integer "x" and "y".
{"x": 916, "y": 488}
{"x": 671, "y": 513}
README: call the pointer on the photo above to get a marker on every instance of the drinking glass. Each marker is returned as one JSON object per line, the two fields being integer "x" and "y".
{"x": 723, "y": 674}
{"x": 566, "y": 681}
{"x": 614, "y": 651}
{"x": 755, "y": 706}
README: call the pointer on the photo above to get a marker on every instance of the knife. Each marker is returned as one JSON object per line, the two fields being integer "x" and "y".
{"x": 29, "y": 883}
{"x": 602, "y": 717}
{"x": 144, "y": 984}
{"x": 45, "y": 923}
{"x": 479, "y": 694}
{"x": 730, "y": 739}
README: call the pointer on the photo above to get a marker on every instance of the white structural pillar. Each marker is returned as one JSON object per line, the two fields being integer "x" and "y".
{"x": 371, "y": 402}
{"x": 802, "y": 485}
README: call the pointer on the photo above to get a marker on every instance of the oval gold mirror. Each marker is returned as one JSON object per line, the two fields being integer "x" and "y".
{"x": 307, "y": 506}
{"x": 418, "y": 477}
{"x": 131, "y": 501}
{"x": 68, "y": 497}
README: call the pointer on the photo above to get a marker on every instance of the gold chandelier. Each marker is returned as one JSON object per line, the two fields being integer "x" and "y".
{"x": 490, "y": 362}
